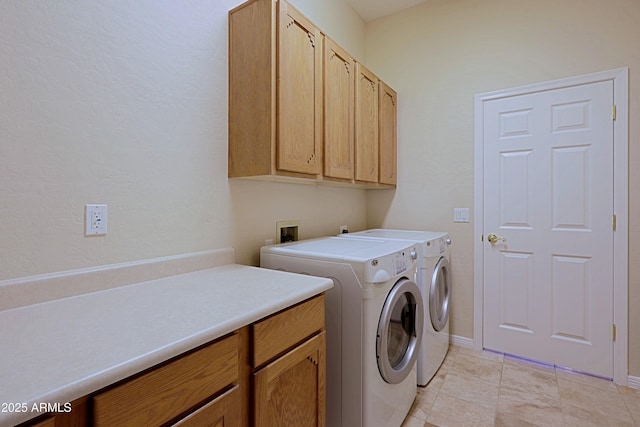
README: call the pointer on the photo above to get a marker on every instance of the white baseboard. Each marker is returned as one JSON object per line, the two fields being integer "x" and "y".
{"x": 633, "y": 382}
{"x": 47, "y": 287}
{"x": 461, "y": 341}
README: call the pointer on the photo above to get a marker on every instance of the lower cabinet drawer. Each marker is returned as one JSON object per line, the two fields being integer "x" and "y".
{"x": 164, "y": 393}
{"x": 223, "y": 411}
{"x": 279, "y": 333}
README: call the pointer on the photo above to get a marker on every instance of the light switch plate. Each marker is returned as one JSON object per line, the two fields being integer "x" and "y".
{"x": 95, "y": 220}
{"x": 460, "y": 214}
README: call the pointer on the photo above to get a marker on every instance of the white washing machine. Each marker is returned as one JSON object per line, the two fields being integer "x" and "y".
{"x": 434, "y": 280}
{"x": 374, "y": 320}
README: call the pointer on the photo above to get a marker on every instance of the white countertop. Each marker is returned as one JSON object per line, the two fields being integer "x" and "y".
{"x": 61, "y": 350}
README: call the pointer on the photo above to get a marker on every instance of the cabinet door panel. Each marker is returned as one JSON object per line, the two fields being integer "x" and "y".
{"x": 366, "y": 125}
{"x": 338, "y": 111}
{"x": 299, "y": 93}
{"x": 224, "y": 411}
{"x": 388, "y": 134}
{"x": 290, "y": 392}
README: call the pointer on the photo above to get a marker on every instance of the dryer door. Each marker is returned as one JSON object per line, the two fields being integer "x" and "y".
{"x": 439, "y": 291}
{"x": 399, "y": 331}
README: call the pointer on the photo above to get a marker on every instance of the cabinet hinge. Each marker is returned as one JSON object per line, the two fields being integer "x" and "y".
{"x": 614, "y": 222}
{"x": 482, "y": 238}
{"x": 613, "y": 331}
{"x": 614, "y": 112}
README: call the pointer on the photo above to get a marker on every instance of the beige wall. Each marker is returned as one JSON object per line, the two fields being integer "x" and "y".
{"x": 125, "y": 103}
{"x": 439, "y": 55}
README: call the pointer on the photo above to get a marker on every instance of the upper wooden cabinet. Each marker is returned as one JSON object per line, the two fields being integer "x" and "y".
{"x": 299, "y": 73}
{"x": 293, "y": 108}
{"x": 339, "y": 68}
{"x": 367, "y": 128}
{"x": 388, "y": 134}
{"x": 275, "y": 104}
{"x": 376, "y": 129}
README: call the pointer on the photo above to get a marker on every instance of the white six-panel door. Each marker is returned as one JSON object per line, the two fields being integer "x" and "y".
{"x": 548, "y": 197}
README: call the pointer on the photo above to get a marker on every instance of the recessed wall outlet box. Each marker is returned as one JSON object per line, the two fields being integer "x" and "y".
{"x": 95, "y": 220}
{"x": 460, "y": 214}
{"x": 287, "y": 231}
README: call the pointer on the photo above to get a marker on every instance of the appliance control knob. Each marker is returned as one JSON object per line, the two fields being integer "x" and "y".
{"x": 414, "y": 254}
{"x": 448, "y": 241}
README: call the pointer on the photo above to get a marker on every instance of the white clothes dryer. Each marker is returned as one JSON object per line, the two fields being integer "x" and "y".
{"x": 434, "y": 280}
{"x": 374, "y": 320}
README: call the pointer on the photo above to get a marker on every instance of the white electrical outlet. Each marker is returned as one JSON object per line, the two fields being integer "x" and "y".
{"x": 95, "y": 220}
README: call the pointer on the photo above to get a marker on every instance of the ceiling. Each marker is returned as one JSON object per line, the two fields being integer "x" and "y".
{"x": 373, "y": 9}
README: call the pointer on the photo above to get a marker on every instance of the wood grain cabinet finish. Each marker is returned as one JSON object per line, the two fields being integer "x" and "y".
{"x": 49, "y": 421}
{"x": 223, "y": 411}
{"x": 171, "y": 390}
{"x": 339, "y": 81}
{"x": 388, "y": 134}
{"x": 289, "y": 390}
{"x": 275, "y": 91}
{"x": 367, "y": 125}
{"x": 282, "y": 331}
{"x": 294, "y": 104}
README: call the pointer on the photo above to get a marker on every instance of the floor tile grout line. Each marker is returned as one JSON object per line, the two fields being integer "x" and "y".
{"x": 501, "y": 386}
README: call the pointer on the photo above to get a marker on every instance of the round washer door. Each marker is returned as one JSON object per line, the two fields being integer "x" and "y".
{"x": 439, "y": 291}
{"x": 399, "y": 331}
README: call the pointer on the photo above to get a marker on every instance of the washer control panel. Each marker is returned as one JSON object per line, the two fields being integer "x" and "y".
{"x": 385, "y": 268}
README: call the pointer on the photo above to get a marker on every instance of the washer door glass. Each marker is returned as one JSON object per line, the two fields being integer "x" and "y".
{"x": 439, "y": 295}
{"x": 399, "y": 331}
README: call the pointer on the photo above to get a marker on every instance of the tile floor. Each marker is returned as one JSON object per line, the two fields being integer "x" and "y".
{"x": 475, "y": 388}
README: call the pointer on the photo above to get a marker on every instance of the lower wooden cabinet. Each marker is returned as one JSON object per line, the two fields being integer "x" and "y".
{"x": 270, "y": 373}
{"x": 289, "y": 379}
{"x": 173, "y": 389}
{"x": 223, "y": 411}
{"x": 290, "y": 391}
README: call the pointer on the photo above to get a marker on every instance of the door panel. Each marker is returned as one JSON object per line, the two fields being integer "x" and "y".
{"x": 548, "y": 188}
{"x": 388, "y": 134}
{"x": 367, "y": 149}
{"x": 299, "y": 93}
{"x": 339, "y": 95}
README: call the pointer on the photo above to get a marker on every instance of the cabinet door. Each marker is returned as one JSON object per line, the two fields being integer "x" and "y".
{"x": 291, "y": 390}
{"x": 388, "y": 134}
{"x": 338, "y": 111}
{"x": 366, "y": 108}
{"x": 224, "y": 411}
{"x": 299, "y": 93}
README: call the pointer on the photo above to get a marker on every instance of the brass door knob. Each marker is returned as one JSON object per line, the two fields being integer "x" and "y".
{"x": 492, "y": 238}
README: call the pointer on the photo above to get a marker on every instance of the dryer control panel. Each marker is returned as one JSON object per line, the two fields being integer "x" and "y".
{"x": 438, "y": 246}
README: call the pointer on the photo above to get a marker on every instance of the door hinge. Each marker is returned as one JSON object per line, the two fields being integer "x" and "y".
{"x": 614, "y": 221}
{"x": 614, "y": 112}
{"x": 613, "y": 331}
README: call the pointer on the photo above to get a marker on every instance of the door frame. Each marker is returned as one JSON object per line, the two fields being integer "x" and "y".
{"x": 620, "y": 78}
